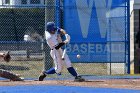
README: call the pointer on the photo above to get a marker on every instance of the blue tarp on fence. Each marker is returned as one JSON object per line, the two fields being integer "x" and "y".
{"x": 97, "y": 28}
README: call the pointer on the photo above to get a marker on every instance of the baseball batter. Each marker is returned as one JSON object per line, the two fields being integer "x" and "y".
{"x": 56, "y": 38}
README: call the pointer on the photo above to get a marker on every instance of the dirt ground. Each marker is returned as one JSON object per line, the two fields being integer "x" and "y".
{"x": 111, "y": 83}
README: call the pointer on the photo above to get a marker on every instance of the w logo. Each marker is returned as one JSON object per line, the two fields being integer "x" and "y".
{"x": 84, "y": 8}
{"x": 84, "y": 11}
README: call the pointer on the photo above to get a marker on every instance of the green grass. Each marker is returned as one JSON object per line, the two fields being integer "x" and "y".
{"x": 32, "y": 69}
{"x": 28, "y": 69}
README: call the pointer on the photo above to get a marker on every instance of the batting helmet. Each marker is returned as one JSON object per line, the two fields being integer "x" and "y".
{"x": 51, "y": 26}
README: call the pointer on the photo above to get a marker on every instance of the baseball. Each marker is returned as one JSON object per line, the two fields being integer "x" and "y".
{"x": 78, "y": 56}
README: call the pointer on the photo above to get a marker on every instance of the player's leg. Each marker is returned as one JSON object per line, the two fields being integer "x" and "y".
{"x": 44, "y": 73}
{"x": 10, "y": 75}
{"x": 50, "y": 71}
{"x": 71, "y": 70}
{"x": 58, "y": 65}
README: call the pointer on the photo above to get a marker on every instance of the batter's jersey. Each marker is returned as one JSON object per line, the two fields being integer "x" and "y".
{"x": 54, "y": 39}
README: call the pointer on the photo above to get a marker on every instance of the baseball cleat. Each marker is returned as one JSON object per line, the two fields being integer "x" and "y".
{"x": 41, "y": 77}
{"x": 79, "y": 79}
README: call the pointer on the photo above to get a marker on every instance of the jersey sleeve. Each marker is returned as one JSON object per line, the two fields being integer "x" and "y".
{"x": 47, "y": 35}
{"x": 62, "y": 36}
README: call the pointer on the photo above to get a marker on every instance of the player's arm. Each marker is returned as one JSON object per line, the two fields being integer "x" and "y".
{"x": 63, "y": 32}
{"x": 10, "y": 75}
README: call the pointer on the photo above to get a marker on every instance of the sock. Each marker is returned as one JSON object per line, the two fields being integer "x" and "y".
{"x": 72, "y": 71}
{"x": 50, "y": 71}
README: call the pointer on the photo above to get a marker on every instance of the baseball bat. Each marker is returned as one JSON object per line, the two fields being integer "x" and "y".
{"x": 64, "y": 52}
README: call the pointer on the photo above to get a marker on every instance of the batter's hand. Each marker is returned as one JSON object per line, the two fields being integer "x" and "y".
{"x": 59, "y": 45}
{"x": 7, "y": 57}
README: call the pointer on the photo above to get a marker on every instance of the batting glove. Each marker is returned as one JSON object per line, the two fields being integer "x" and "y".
{"x": 59, "y": 45}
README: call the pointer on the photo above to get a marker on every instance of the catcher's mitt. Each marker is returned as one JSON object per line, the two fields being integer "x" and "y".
{"x": 7, "y": 57}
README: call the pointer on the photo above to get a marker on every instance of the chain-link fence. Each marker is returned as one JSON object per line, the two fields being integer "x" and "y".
{"x": 18, "y": 24}
{"x": 22, "y": 32}
{"x": 99, "y": 32}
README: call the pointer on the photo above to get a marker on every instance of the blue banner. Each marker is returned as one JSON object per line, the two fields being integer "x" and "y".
{"x": 95, "y": 26}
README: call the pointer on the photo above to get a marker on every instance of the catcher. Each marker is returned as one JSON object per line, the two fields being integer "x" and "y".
{"x": 7, "y": 74}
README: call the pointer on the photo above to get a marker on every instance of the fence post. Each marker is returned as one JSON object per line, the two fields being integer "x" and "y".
{"x": 128, "y": 35}
{"x": 57, "y": 13}
{"x": 49, "y": 16}
{"x": 48, "y": 62}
